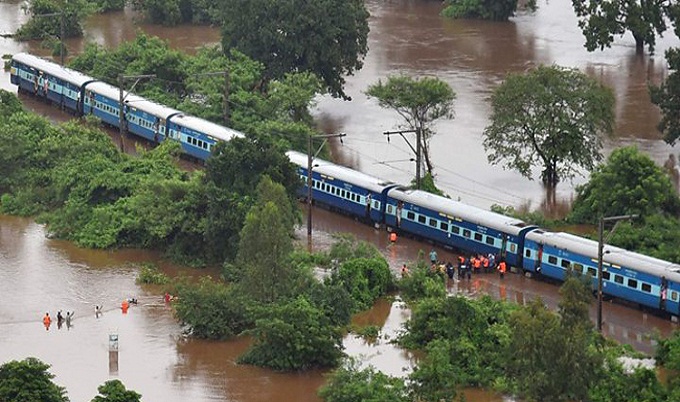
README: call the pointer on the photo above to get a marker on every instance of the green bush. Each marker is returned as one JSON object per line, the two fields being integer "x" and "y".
{"x": 349, "y": 383}
{"x": 150, "y": 275}
{"x": 293, "y": 335}
{"x": 211, "y": 309}
{"x": 421, "y": 283}
{"x": 366, "y": 279}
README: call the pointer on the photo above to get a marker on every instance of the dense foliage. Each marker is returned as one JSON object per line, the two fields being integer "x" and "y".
{"x": 421, "y": 283}
{"x": 149, "y": 274}
{"x": 196, "y": 84}
{"x": 46, "y": 19}
{"x": 601, "y": 20}
{"x": 75, "y": 179}
{"x": 496, "y": 10}
{"x": 667, "y": 97}
{"x": 366, "y": 279}
{"x": 325, "y": 37}
{"x": 551, "y": 117}
{"x": 294, "y": 335}
{"x": 173, "y": 12}
{"x": 350, "y": 383}
{"x": 475, "y": 334}
{"x": 628, "y": 183}
{"x": 211, "y": 309}
{"x": 114, "y": 391}
{"x": 27, "y": 381}
{"x": 419, "y": 102}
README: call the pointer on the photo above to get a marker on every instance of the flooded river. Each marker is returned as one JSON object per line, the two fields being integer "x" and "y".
{"x": 38, "y": 274}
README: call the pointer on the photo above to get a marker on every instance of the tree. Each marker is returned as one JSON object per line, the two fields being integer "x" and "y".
{"x": 496, "y": 10}
{"x": 365, "y": 279}
{"x": 294, "y": 335}
{"x": 28, "y": 381}
{"x": 325, "y": 37}
{"x": 419, "y": 101}
{"x": 211, "y": 310}
{"x": 550, "y": 116}
{"x": 435, "y": 377}
{"x": 601, "y": 20}
{"x": 629, "y": 183}
{"x": 39, "y": 27}
{"x": 114, "y": 391}
{"x": 266, "y": 242}
{"x": 667, "y": 97}
{"x": 350, "y": 383}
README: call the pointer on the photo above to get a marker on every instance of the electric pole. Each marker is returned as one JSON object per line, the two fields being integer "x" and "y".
{"x": 417, "y": 150}
{"x": 122, "y": 126}
{"x": 310, "y": 167}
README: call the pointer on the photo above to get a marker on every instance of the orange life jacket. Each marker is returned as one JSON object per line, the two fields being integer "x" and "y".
{"x": 501, "y": 267}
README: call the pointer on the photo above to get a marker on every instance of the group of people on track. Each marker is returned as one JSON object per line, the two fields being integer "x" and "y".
{"x": 61, "y": 319}
{"x": 475, "y": 263}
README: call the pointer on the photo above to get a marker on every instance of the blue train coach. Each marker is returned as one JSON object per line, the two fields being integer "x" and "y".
{"x": 452, "y": 223}
{"x": 48, "y": 80}
{"x": 626, "y": 275}
{"x": 344, "y": 189}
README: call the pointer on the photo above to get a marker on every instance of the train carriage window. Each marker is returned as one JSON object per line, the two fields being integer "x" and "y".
{"x": 674, "y": 295}
{"x": 466, "y": 233}
{"x": 593, "y": 272}
{"x": 632, "y": 283}
{"x": 421, "y": 219}
{"x": 646, "y": 287}
{"x": 565, "y": 263}
{"x": 433, "y": 223}
{"x": 513, "y": 248}
{"x": 455, "y": 229}
{"x": 527, "y": 253}
{"x": 606, "y": 275}
{"x": 478, "y": 237}
{"x": 552, "y": 260}
{"x": 411, "y": 216}
{"x": 617, "y": 278}
{"x": 578, "y": 267}
{"x": 490, "y": 240}
{"x": 389, "y": 209}
{"x": 444, "y": 226}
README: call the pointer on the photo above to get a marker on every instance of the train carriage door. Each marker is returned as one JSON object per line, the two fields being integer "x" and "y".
{"x": 504, "y": 247}
{"x": 539, "y": 259}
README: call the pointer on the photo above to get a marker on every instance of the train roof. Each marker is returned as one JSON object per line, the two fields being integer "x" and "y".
{"x": 341, "y": 172}
{"x": 612, "y": 254}
{"x": 206, "y": 127}
{"x": 111, "y": 92}
{"x": 53, "y": 69}
{"x": 460, "y": 210}
{"x": 153, "y": 108}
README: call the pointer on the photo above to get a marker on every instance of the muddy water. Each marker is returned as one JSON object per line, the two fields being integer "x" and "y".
{"x": 409, "y": 37}
{"x": 473, "y": 56}
{"x": 41, "y": 275}
{"x": 406, "y": 36}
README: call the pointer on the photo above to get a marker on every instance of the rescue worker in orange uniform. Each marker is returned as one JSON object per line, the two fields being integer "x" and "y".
{"x": 124, "y": 306}
{"x": 47, "y": 321}
{"x": 502, "y": 268}
{"x": 477, "y": 263}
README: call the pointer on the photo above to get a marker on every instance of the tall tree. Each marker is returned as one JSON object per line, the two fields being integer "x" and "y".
{"x": 266, "y": 242}
{"x": 550, "y": 116}
{"x": 629, "y": 183}
{"x": 29, "y": 381}
{"x": 325, "y": 37}
{"x": 114, "y": 391}
{"x": 601, "y": 20}
{"x": 667, "y": 97}
{"x": 419, "y": 101}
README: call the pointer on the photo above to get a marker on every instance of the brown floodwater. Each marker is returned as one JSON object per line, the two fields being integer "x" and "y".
{"x": 39, "y": 274}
